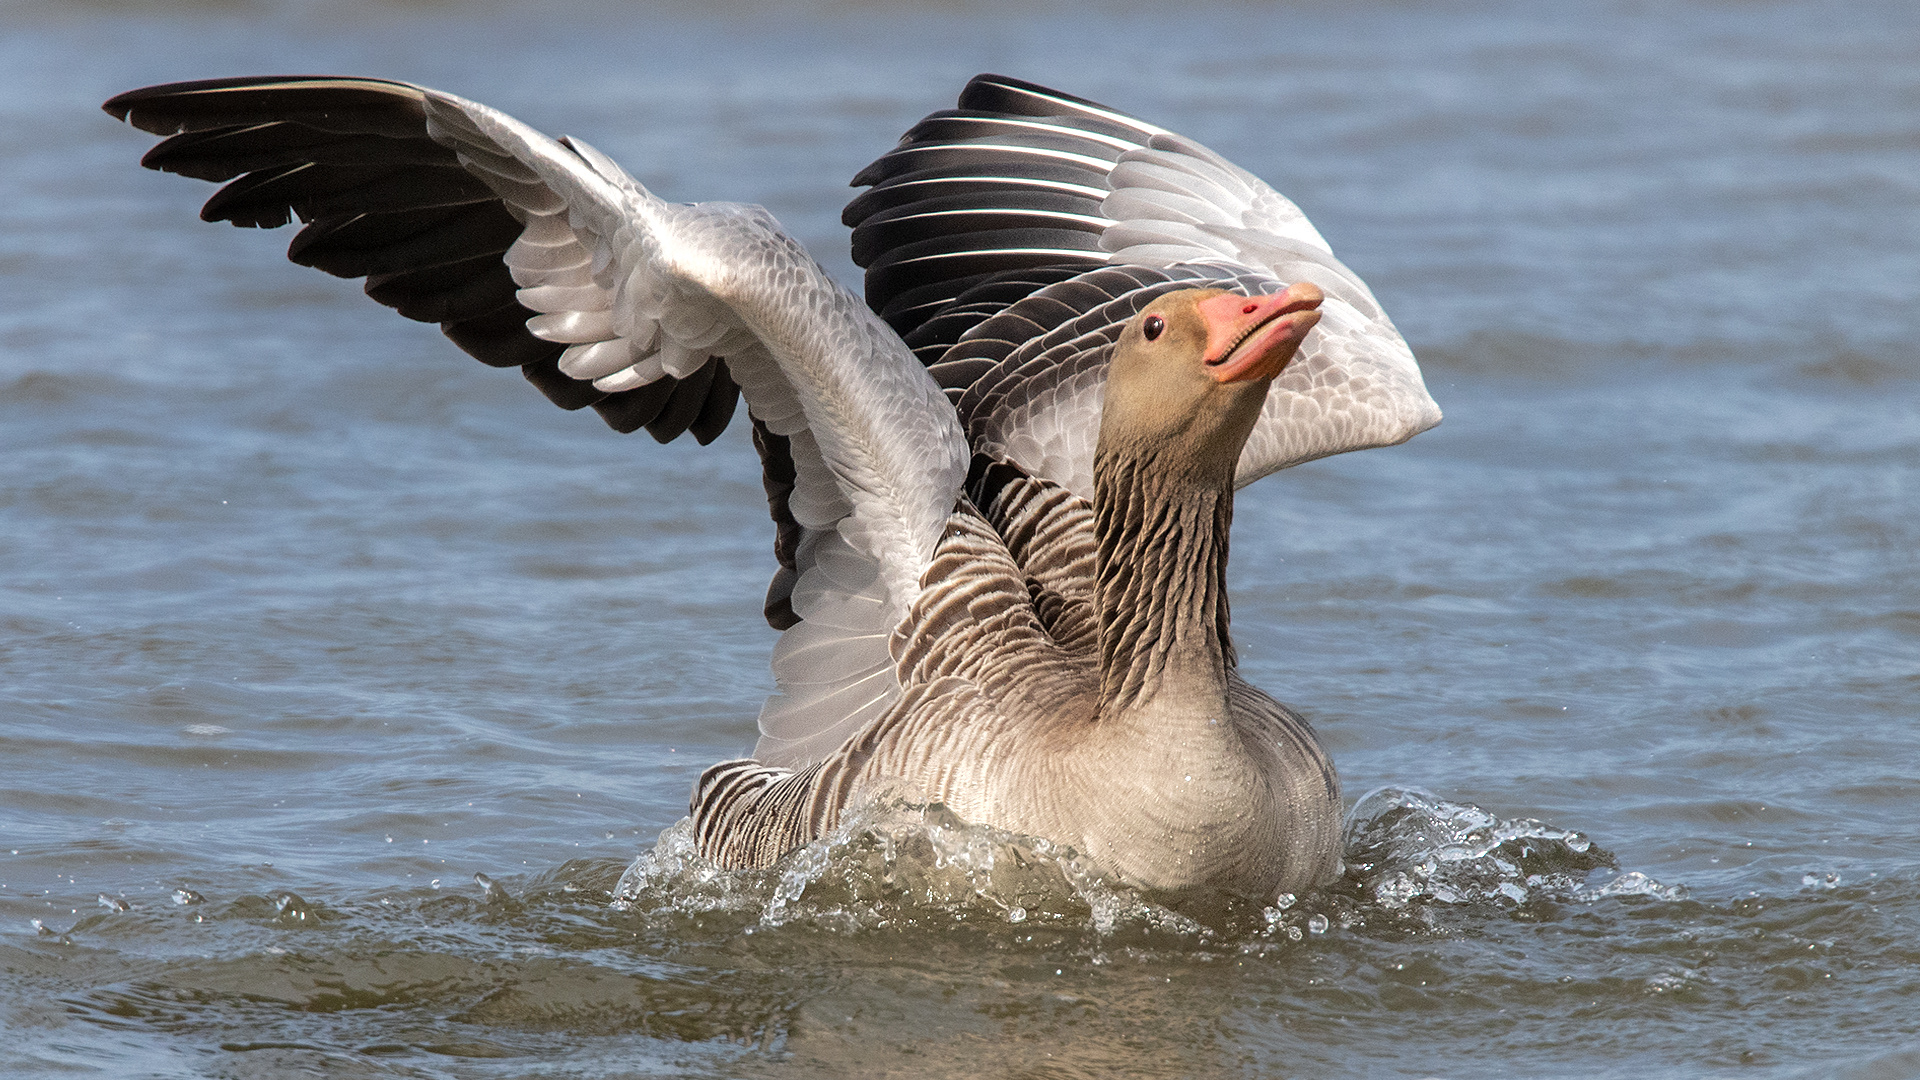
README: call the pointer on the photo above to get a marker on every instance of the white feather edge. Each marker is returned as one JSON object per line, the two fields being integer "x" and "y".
{"x": 1354, "y": 385}
{"x": 639, "y": 288}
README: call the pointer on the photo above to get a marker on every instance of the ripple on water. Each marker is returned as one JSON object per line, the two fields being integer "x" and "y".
{"x": 907, "y": 923}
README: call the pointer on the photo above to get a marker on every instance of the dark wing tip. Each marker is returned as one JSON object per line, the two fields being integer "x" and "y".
{"x": 171, "y": 108}
{"x": 1011, "y": 180}
{"x": 996, "y": 88}
{"x": 120, "y": 105}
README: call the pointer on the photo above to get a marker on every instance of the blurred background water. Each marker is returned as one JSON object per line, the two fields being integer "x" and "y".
{"x": 306, "y": 619}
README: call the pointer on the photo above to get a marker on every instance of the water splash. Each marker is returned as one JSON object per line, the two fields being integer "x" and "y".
{"x": 896, "y": 863}
{"x": 493, "y": 893}
{"x": 1407, "y": 848}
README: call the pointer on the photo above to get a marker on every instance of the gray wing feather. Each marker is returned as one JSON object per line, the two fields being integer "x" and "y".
{"x": 946, "y": 208}
{"x": 645, "y": 288}
{"x": 640, "y": 289}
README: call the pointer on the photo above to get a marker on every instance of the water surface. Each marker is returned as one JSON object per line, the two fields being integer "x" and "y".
{"x": 306, "y": 619}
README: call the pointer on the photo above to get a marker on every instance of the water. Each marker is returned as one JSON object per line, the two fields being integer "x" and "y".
{"x": 306, "y": 619}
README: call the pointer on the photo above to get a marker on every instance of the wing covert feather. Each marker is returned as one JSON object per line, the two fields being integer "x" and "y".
{"x": 877, "y": 455}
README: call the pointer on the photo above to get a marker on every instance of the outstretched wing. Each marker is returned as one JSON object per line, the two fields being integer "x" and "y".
{"x": 543, "y": 253}
{"x": 1010, "y": 238}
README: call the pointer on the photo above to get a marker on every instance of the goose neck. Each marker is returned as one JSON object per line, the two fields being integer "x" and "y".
{"x": 1162, "y": 573}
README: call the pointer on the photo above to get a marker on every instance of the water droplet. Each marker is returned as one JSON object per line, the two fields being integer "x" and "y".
{"x": 1317, "y": 924}
{"x": 1016, "y": 914}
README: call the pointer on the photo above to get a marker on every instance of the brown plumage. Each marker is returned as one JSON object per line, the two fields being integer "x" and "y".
{"x": 1068, "y": 669}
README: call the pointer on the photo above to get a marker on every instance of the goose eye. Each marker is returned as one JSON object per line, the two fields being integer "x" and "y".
{"x": 1152, "y": 327}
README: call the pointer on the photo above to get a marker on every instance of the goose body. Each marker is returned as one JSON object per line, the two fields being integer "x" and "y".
{"x": 1001, "y": 485}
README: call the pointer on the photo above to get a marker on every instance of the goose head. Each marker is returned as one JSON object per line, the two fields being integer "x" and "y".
{"x": 1191, "y": 370}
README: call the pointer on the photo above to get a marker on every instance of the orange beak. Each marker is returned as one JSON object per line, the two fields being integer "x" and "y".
{"x": 1253, "y": 337}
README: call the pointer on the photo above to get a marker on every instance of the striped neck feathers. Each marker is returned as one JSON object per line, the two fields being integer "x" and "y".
{"x": 1162, "y": 581}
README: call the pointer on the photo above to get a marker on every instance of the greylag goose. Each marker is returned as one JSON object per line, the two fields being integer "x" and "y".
{"x": 1001, "y": 486}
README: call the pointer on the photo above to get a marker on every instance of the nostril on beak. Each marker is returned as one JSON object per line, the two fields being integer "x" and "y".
{"x": 1250, "y": 309}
